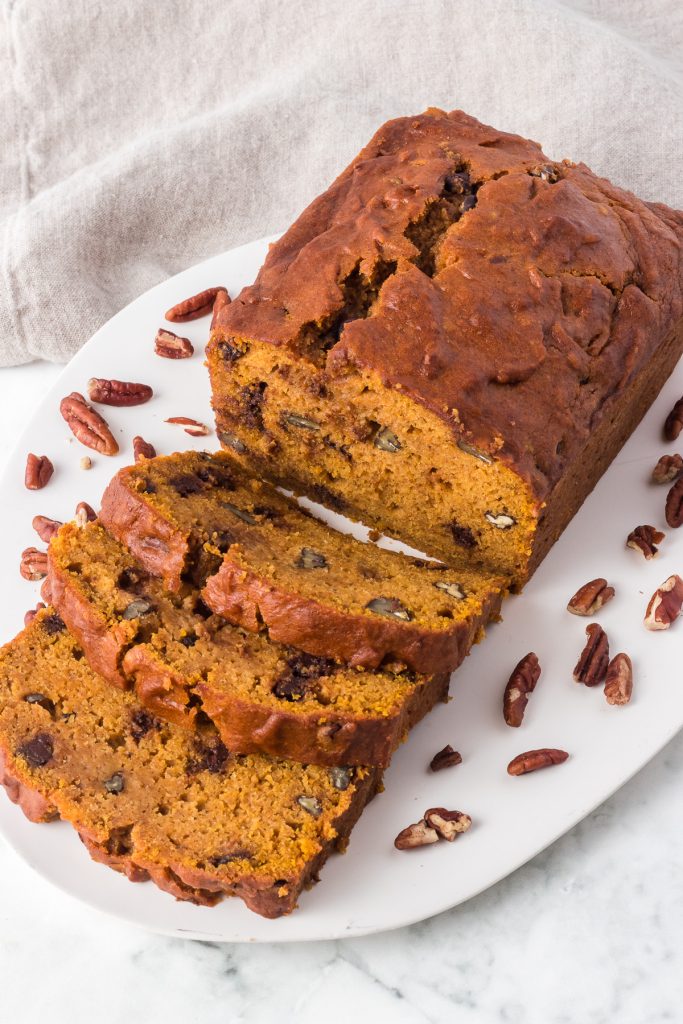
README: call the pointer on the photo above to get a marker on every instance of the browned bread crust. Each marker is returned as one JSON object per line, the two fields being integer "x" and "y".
{"x": 453, "y": 267}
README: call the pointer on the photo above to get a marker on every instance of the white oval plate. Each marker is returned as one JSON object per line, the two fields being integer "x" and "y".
{"x": 374, "y": 887}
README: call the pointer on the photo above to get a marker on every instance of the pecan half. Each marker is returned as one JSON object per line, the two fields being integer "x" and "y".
{"x": 645, "y": 539}
{"x": 194, "y": 307}
{"x": 419, "y": 834}
{"x": 673, "y": 423}
{"x": 33, "y": 564}
{"x": 84, "y": 513}
{"x": 674, "y": 505}
{"x": 220, "y": 302}
{"x": 665, "y": 604}
{"x": 619, "y": 680}
{"x": 32, "y": 612}
{"x": 172, "y": 346}
{"x": 118, "y": 392}
{"x": 142, "y": 449}
{"x": 445, "y": 758}
{"x": 592, "y": 664}
{"x": 87, "y": 425}
{"x": 45, "y": 528}
{"x": 192, "y": 427}
{"x": 521, "y": 683}
{"x": 38, "y": 471}
{"x": 448, "y": 824}
{"x": 667, "y": 469}
{"x": 532, "y": 760}
{"x": 590, "y": 598}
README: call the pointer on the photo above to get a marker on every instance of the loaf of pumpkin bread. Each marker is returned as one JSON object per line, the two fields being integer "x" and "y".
{"x": 453, "y": 341}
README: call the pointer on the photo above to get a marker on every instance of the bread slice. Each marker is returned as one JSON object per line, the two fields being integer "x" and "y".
{"x": 155, "y": 801}
{"x": 453, "y": 341}
{"x": 185, "y": 663}
{"x": 266, "y": 564}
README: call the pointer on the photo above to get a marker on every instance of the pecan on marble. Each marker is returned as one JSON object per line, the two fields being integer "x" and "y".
{"x": 87, "y": 425}
{"x": 38, "y": 471}
{"x": 192, "y": 427}
{"x": 521, "y": 683}
{"x": 84, "y": 514}
{"x": 645, "y": 539}
{"x": 674, "y": 505}
{"x": 590, "y": 598}
{"x": 673, "y": 423}
{"x": 118, "y": 392}
{"x": 532, "y": 760}
{"x": 665, "y": 604}
{"x": 594, "y": 659}
{"x": 142, "y": 449}
{"x": 194, "y": 307}
{"x": 45, "y": 528}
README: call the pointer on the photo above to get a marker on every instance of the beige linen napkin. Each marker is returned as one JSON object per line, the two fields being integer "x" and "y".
{"x": 139, "y": 138}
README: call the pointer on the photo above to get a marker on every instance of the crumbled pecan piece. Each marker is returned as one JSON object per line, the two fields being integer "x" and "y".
{"x": 192, "y": 427}
{"x": 33, "y": 564}
{"x": 445, "y": 758}
{"x": 592, "y": 664}
{"x": 590, "y": 598}
{"x": 674, "y": 505}
{"x": 667, "y": 469}
{"x": 87, "y": 425}
{"x": 532, "y": 760}
{"x": 419, "y": 834}
{"x": 171, "y": 346}
{"x": 142, "y": 449}
{"x": 118, "y": 392}
{"x": 39, "y": 469}
{"x": 45, "y": 528}
{"x": 86, "y": 462}
{"x": 619, "y": 680}
{"x": 674, "y": 422}
{"x": 521, "y": 683}
{"x": 645, "y": 539}
{"x": 448, "y": 824}
{"x": 665, "y": 604}
{"x": 194, "y": 307}
{"x": 220, "y": 302}
{"x": 32, "y": 612}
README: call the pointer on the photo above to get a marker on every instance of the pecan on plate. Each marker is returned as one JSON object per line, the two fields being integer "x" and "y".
{"x": 592, "y": 664}
{"x": 665, "y": 604}
{"x": 87, "y": 425}
{"x": 645, "y": 539}
{"x": 521, "y": 683}
{"x": 448, "y": 824}
{"x": 194, "y": 307}
{"x": 39, "y": 469}
{"x": 419, "y": 834}
{"x": 33, "y": 564}
{"x": 590, "y": 598}
{"x": 667, "y": 469}
{"x": 674, "y": 505}
{"x": 142, "y": 449}
{"x": 673, "y": 423}
{"x": 192, "y": 427}
{"x": 532, "y": 760}
{"x": 619, "y": 680}
{"x": 220, "y": 302}
{"x": 32, "y": 612}
{"x": 45, "y": 528}
{"x": 445, "y": 758}
{"x": 171, "y": 346}
{"x": 118, "y": 392}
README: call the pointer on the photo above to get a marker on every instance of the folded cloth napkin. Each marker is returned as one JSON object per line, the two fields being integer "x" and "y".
{"x": 140, "y": 138}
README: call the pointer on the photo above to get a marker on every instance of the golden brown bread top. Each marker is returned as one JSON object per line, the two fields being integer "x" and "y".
{"x": 530, "y": 294}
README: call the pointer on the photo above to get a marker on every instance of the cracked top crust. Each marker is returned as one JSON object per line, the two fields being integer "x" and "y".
{"x": 510, "y": 295}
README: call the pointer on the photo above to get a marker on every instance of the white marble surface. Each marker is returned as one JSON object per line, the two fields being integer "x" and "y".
{"x": 591, "y": 931}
